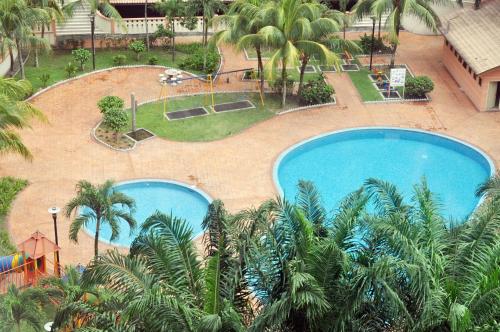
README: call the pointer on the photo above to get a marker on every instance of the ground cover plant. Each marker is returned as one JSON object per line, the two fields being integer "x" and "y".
{"x": 9, "y": 188}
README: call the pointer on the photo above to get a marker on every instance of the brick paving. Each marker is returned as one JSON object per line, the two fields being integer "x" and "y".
{"x": 237, "y": 169}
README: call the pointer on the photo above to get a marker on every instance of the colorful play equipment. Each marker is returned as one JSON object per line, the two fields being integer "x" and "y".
{"x": 30, "y": 263}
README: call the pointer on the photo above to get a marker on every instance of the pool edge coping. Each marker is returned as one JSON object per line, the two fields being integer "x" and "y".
{"x": 194, "y": 188}
{"x": 285, "y": 152}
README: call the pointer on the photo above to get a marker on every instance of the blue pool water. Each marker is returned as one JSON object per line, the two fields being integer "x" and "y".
{"x": 167, "y": 197}
{"x": 339, "y": 163}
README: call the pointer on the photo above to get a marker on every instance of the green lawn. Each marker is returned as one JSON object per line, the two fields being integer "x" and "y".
{"x": 209, "y": 127}
{"x": 55, "y": 62}
{"x": 364, "y": 85}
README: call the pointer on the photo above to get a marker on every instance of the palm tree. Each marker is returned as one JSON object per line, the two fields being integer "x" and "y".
{"x": 18, "y": 307}
{"x": 290, "y": 27}
{"x": 172, "y": 9}
{"x": 243, "y": 23}
{"x": 15, "y": 113}
{"x": 397, "y": 9}
{"x": 99, "y": 206}
{"x": 17, "y": 20}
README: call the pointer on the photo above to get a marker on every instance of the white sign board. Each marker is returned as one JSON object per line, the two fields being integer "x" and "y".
{"x": 398, "y": 76}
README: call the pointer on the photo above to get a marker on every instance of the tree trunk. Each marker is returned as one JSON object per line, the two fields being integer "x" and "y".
{"x": 146, "y": 24}
{"x": 379, "y": 26}
{"x": 260, "y": 67}
{"x": 395, "y": 45}
{"x": 305, "y": 60}
{"x": 20, "y": 58}
{"x": 96, "y": 239}
{"x": 477, "y": 4}
{"x": 173, "y": 40}
{"x": 283, "y": 79}
{"x": 92, "y": 36}
{"x": 11, "y": 54}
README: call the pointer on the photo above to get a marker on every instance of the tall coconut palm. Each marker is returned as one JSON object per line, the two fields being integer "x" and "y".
{"x": 290, "y": 28}
{"x": 17, "y": 20}
{"x": 163, "y": 283}
{"x": 100, "y": 204}
{"x": 15, "y": 113}
{"x": 19, "y": 307}
{"x": 172, "y": 9}
{"x": 396, "y": 9}
{"x": 242, "y": 22}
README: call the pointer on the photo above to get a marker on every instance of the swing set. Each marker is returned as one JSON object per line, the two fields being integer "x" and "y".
{"x": 206, "y": 85}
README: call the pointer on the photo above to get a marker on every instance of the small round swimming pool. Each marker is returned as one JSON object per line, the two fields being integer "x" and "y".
{"x": 339, "y": 163}
{"x": 165, "y": 196}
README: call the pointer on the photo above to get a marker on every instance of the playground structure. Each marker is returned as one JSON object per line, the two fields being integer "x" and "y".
{"x": 30, "y": 263}
{"x": 207, "y": 85}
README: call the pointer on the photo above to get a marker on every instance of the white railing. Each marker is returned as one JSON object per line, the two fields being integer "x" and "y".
{"x": 137, "y": 26}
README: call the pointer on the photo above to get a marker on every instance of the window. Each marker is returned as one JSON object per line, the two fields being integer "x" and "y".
{"x": 460, "y": 59}
{"x": 446, "y": 42}
{"x": 480, "y": 81}
{"x": 470, "y": 70}
{"x": 464, "y": 64}
{"x": 451, "y": 47}
{"x": 456, "y": 54}
{"x": 475, "y": 76}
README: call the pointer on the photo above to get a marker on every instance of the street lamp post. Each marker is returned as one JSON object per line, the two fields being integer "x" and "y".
{"x": 373, "y": 41}
{"x": 54, "y": 211}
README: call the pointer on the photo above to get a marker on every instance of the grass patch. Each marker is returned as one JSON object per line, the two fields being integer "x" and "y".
{"x": 212, "y": 126}
{"x": 364, "y": 85}
{"x": 54, "y": 63}
{"x": 9, "y": 188}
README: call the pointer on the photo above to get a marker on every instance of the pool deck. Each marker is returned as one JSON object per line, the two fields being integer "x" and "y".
{"x": 236, "y": 169}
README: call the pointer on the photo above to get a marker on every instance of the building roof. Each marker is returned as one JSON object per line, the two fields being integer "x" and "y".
{"x": 475, "y": 34}
{"x": 37, "y": 245}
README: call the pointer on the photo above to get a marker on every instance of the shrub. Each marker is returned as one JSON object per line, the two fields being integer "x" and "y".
{"x": 137, "y": 47}
{"x": 316, "y": 91}
{"x": 9, "y": 188}
{"x": 194, "y": 61}
{"x": 81, "y": 56}
{"x": 44, "y": 78}
{"x": 115, "y": 119}
{"x": 110, "y": 102}
{"x": 153, "y": 60}
{"x": 418, "y": 86}
{"x": 277, "y": 85}
{"x": 189, "y": 48}
{"x": 365, "y": 42}
{"x": 163, "y": 35}
{"x": 119, "y": 60}
{"x": 70, "y": 69}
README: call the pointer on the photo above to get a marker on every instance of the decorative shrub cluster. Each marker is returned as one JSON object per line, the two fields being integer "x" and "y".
{"x": 153, "y": 60}
{"x": 108, "y": 102}
{"x": 277, "y": 85}
{"x": 316, "y": 91}
{"x": 114, "y": 117}
{"x": 137, "y": 47}
{"x": 196, "y": 58}
{"x": 378, "y": 45}
{"x": 81, "y": 56}
{"x": 119, "y": 60}
{"x": 70, "y": 69}
{"x": 418, "y": 86}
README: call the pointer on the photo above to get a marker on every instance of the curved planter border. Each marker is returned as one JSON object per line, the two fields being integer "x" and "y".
{"x": 93, "y": 135}
{"x": 193, "y": 187}
{"x": 283, "y": 154}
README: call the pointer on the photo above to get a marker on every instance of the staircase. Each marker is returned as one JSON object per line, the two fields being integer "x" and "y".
{"x": 78, "y": 24}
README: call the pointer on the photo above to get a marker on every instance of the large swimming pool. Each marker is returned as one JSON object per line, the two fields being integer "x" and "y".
{"x": 339, "y": 162}
{"x": 166, "y": 196}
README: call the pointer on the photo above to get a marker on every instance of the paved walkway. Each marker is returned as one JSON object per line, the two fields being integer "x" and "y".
{"x": 237, "y": 169}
